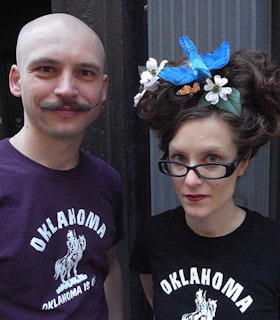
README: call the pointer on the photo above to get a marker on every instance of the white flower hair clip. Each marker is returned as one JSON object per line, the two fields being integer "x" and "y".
{"x": 230, "y": 97}
{"x": 216, "y": 89}
{"x": 148, "y": 78}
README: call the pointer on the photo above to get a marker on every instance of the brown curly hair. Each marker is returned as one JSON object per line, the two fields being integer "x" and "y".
{"x": 252, "y": 74}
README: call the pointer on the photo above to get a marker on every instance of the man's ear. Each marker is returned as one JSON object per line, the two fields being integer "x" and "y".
{"x": 105, "y": 87}
{"x": 14, "y": 81}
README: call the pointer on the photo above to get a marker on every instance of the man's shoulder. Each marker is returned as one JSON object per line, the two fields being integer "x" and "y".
{"x": 96, "y": 164}
{"x": 6, "y": 150}
{"x": 4, "y": 143}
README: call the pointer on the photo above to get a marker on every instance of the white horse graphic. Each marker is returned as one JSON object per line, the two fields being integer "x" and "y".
{"x": 205, "y": 309}
{"x": 64, "y": 266}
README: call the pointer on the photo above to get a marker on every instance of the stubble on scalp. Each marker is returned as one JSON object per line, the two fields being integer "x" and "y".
{"x": 31, "y": 29}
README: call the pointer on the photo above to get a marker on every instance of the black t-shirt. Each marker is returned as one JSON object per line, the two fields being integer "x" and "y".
{"x": 230, "y": 277}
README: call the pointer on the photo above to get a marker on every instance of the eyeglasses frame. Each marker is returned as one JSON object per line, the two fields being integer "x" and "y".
{"x": 230, "y": 167}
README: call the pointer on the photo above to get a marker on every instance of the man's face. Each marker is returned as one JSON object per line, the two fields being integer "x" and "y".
{"x": 59, "y": 63}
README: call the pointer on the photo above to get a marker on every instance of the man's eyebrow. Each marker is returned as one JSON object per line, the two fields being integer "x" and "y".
{"x": 51, "y": 61}
{"x": 43, "y": 60}
{"x": 88, "y": 65}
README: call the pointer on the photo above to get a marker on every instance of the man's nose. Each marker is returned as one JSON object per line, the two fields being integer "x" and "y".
{"x": 66, "y": 85}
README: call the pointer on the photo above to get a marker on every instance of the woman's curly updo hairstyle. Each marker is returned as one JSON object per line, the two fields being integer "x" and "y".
{"x": 252, "y": 74}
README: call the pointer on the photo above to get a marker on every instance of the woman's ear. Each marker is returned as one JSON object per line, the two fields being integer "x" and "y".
{"x": 244, "y": 164}
{"x": 242, "y": 167}
{"x": 14, "y": 81}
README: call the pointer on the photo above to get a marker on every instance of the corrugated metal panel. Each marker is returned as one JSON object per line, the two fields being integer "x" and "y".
{"x": 246, "y": 24}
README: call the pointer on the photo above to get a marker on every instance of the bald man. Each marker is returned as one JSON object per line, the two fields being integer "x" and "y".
{"x": 60, "y": 208}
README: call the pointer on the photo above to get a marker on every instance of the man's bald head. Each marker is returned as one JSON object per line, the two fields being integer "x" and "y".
{"x": 59, "y": 26}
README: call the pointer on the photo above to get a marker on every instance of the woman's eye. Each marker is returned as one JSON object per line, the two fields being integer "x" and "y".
{"x": 212, "y": 158}
{"x": 178, "y": 158}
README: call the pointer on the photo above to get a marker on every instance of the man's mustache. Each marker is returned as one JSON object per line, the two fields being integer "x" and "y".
{"x": 59, "y": 105}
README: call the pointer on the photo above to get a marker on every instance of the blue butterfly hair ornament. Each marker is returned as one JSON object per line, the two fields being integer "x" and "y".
{"x": 199, "y": 70}
{"x": 200, "y": 66}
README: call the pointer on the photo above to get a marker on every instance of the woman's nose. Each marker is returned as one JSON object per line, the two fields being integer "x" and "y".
{"x": 192, "y": 178}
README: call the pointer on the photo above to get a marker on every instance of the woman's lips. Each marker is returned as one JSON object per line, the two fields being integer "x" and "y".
{"x": 195, "y": 197}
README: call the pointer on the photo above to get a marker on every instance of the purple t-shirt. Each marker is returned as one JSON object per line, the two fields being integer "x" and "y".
{"x": 56, "y": 228}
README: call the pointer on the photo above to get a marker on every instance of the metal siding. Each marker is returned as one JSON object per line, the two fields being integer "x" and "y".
{"x": 246, "y": 24}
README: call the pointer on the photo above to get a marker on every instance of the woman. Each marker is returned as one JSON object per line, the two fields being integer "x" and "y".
{"x": 210, "y": 258}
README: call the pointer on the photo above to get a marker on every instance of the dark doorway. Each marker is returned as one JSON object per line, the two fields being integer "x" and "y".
{"x": 13, "y": 15}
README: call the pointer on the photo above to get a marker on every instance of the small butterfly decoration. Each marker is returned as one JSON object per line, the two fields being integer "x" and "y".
{"x": 188, "y": 90}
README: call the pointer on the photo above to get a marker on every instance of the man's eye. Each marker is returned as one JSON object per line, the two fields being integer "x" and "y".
{"x": 87, "y": 73}
{"x": 46, "y": 69}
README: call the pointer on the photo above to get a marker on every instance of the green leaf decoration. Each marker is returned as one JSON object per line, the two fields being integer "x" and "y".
{"x": 160, "y": 97}
{"x": 232, "y": 105}
{"x": 141, "y": 69}
{"x": 203, "y": 102}
{"x": 225, "y": 105}
{"x": 234, "y": 99}
{"x": 162, "y": 93}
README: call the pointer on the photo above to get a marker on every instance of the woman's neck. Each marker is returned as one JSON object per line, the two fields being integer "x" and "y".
{"x": 219, "y": 224}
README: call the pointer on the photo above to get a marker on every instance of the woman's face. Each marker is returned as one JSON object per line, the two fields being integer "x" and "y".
{"x": 201, "y": 141}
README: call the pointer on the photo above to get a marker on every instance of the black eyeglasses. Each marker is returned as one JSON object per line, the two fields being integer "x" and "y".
{"x": 208, "y": 171}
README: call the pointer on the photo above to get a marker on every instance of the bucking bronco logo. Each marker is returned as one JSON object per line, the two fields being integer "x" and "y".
{"x": 205, "y": 309}
{"x": 68, "y": 264}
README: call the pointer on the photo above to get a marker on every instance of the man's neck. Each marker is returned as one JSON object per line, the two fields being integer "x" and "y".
{"x": 57, "y": 154}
